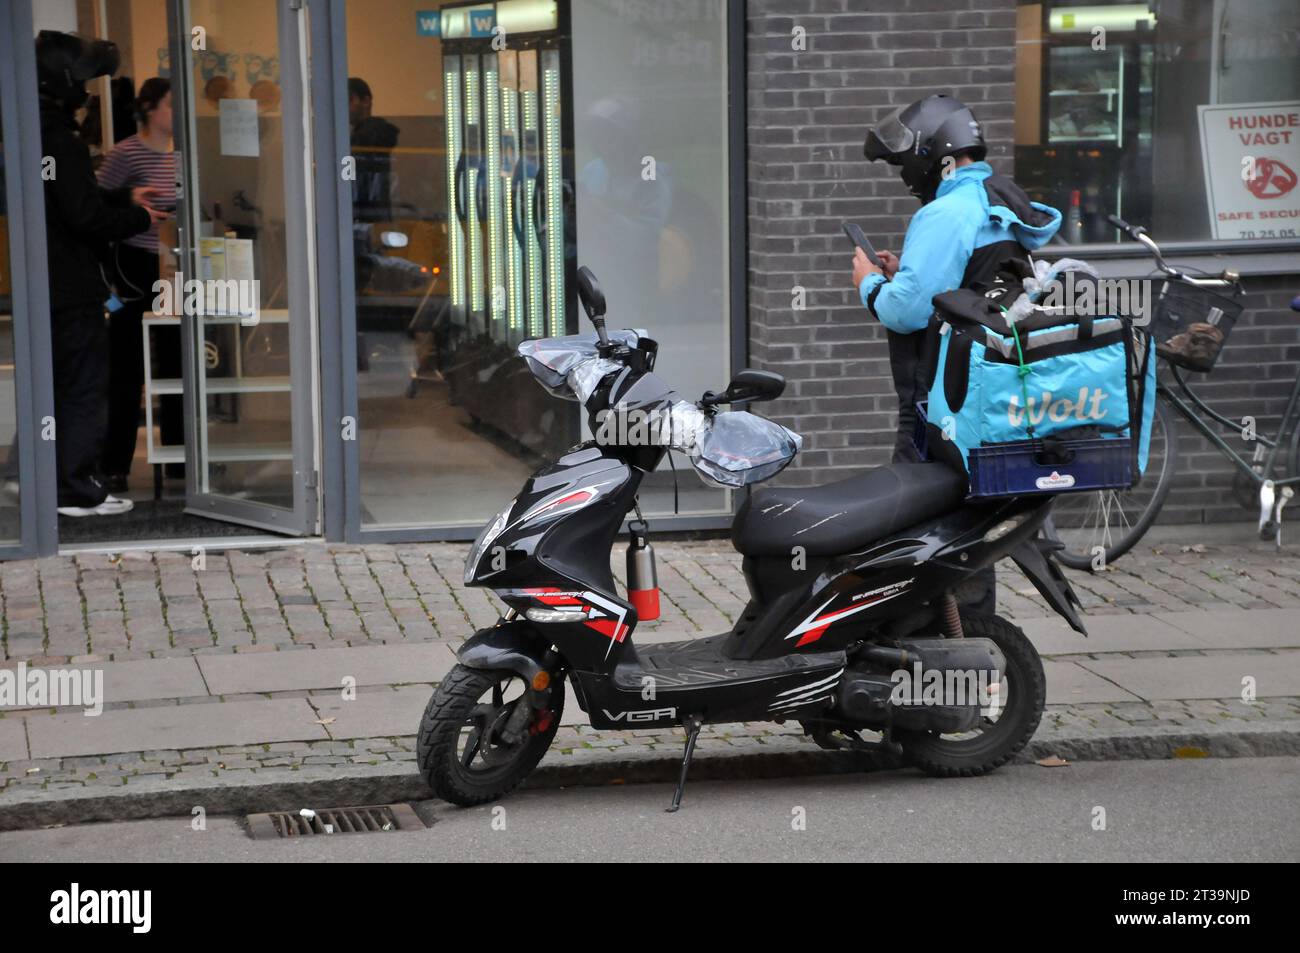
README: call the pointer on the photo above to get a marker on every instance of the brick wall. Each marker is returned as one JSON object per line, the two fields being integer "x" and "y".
{"x": 807, "y": 112}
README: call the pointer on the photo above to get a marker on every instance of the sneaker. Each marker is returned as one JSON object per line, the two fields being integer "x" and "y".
{"x": 111, "y": 506}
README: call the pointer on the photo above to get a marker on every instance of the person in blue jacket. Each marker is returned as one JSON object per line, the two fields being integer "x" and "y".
{"x": 972, "y": 223}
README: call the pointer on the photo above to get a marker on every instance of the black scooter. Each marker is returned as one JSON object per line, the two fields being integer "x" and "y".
{"x": 851, "y": 626}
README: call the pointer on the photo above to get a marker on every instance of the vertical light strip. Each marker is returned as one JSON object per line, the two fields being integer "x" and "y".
{"x": 552, "y": 156}
{"x": 473, "y": 151}
{"x": 536, "y": 297}
{"x": 492, "y": 169}
{"x": 514, "y": 260}
{"x": 455, "y": 239}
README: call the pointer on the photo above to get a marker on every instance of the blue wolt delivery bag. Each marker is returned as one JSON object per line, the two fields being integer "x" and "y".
{"x": 1028, "y": 399}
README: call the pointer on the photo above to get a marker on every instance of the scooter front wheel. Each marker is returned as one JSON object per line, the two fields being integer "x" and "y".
{"x": 1003, "y": 731}
{"x": 465, "y": 750}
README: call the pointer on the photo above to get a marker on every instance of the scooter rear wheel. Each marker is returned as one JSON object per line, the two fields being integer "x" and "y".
{"x": 461, "y": 750}
{"x": 996, "y": 740}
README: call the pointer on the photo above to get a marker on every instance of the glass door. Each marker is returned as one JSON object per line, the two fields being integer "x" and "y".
{"x": 246, "y": 326}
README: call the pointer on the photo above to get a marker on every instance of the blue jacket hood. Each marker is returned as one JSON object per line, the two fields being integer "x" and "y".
{"x": 1030, "y": 223}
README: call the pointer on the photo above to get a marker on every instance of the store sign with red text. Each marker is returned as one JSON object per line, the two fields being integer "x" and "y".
{"x": 1251, "y": 153}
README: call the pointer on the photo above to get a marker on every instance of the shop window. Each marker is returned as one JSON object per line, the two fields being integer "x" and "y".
{"x": 9, "y": 515}
{"x": 596, "y": 133}
{"x": 1180, "y": 115}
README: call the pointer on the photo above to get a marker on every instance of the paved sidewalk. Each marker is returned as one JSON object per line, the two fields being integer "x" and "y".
{"x": 229, "y": 677}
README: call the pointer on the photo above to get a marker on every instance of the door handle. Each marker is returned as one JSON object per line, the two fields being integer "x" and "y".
{"x": 459, "y": 179}
{"x": 539, "y": 223}
{"x": 517, "y": 200}
{"x": 480, "y": 197}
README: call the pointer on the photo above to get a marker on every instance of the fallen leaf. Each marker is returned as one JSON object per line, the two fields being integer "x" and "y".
{"x": 1052, "y": 761}
{"x": 1196, "y": 548}
{"x": 324, "y": 721}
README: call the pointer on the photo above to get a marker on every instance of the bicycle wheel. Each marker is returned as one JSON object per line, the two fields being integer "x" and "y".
{"x": 1099, "y": 527}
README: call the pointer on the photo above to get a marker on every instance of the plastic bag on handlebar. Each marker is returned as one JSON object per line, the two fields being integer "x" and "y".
{"x": 570, "y": 366}
{"x": 1040, "y": 282}
{"x": 738, "y": 448}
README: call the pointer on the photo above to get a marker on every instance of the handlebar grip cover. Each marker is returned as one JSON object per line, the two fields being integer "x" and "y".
{"x": 1130, "y": 230}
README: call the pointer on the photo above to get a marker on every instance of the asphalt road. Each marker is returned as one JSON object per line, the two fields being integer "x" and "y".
{"x": 1233, "y": 810}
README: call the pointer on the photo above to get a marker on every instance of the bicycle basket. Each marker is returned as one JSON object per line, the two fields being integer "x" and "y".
{"x": 1191, "y": 325}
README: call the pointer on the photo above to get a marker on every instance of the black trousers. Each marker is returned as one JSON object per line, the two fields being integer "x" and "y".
{"x": 80, "y": 351}
{"x": 907, "y": 366}
{"x": 138, "y": 272}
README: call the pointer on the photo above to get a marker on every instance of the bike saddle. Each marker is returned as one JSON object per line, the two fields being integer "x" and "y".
{"x": 848, "y": 514}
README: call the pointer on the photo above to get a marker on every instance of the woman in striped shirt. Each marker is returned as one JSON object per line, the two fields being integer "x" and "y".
{"x": 145, "y": 159}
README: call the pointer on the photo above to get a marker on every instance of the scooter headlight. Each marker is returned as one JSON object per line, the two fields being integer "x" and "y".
{"x": 485, "y": 539}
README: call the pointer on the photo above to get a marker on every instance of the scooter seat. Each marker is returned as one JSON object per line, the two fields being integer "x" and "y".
{"x": 848, "y": 514}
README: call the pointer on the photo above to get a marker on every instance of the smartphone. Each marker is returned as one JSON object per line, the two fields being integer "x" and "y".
{"x": 859, "y": 239}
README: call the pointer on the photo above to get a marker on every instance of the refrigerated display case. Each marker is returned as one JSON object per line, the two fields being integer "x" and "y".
{"x": 510, "y": 216}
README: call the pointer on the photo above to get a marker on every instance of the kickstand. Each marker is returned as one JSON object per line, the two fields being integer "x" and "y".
{"x": 692, "y": 724}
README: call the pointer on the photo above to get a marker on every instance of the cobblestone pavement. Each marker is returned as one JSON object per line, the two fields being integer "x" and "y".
{"x": 97, "y": 607}
{"x": 101, "y": 609}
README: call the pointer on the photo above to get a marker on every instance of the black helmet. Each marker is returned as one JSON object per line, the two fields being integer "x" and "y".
{"x": 919, "y": 136}
{"x": 64, "y": 61}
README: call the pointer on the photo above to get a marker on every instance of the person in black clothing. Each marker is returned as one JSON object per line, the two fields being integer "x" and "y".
{"x": 143, "y": 158}
{"x": 970, "y": 223}
{"x": 81, "y": 219}
{"x": 373, "y": 140}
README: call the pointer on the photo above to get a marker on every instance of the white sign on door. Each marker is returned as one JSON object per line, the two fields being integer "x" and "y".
{"x": 238, "y": 127}
{"x": 1251, "y": 153}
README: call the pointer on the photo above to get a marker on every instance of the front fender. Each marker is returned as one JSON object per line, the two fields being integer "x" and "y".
{"x": 514, "y": 646}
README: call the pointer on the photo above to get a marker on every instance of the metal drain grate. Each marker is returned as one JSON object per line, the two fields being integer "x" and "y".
{"x": 369, "y": 819}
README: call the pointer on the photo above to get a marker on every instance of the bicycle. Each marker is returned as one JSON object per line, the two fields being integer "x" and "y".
{"x": 1189, "y": 326}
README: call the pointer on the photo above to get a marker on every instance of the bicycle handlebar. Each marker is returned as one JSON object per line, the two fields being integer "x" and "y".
{"x": 1129, "y": 230}
{"x": 1139, "y": 234}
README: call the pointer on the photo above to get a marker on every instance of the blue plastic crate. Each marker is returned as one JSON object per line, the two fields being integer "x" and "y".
{"x": 920, "y": 439}
{"x": 1022, "y": 468}
{"x": 1028, "y": 467}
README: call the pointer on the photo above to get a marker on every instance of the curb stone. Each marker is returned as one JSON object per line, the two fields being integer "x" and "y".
{"x": 318, "y": 785}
